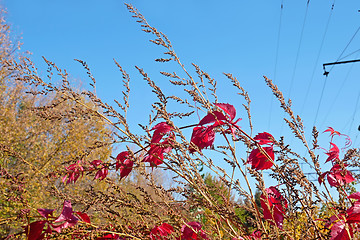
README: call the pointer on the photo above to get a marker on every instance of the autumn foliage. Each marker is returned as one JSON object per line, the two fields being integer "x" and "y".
{"x": 74, "y": 167}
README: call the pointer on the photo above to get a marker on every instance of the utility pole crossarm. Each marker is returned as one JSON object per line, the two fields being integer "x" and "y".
{"x": 334, "y": 63}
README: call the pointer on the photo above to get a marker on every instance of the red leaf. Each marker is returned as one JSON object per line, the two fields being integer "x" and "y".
{"x": 264, "y": 138}
{"x": 274, "y": 206}
{"x": 155, "y": 155}
{"x": 101, "y": 173}
{"x": 84, "y": 217}
{"x": 202, "y": 137}
{"x": 321, "y": 178}
{"x": 355, "y": 196}
{"x": 338, "y": 177}
{"x": 332, "y": 131}
{"x": 33, "y": 230}
{"x": 188, "y": 233}
{"x": 259, "y": 161}
{"x": 339, "y": 232}
{"x": 256, "y": 234}
{"x": 45, "y": 212}
{"x": 110, "y": 236}
{"x": 228, "y": 108}
{"x": 66, "y": 217}
{"x": 126, "y": 168}
{"x": 158, "y": 232}
{"x": 73, "y": 172}
{"x": 212, "y": 117}
{"x": 124, "y": 164}
{"x": 354, "y": 213}
{"x": 333, "y": 153}
{"x": 122, "y": 156}
{"x": 160, "y": 130}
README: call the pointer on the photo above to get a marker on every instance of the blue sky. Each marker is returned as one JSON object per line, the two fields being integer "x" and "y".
{"x": 245, "y": 38}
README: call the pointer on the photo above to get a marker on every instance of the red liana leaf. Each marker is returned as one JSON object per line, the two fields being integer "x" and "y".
{"x": 354, "y": 196}
{"x": 228, "y": 108}
{"x": 274, "y": 206}
{"x": 333, "y": 153}
{"x": 66, "y": 218}
{"x": 264, "y": 138}
{"x": 332, "y": 131}
{"x": 338, "y": 177}
{"x": 84, "y": 217}
{"x": 188, "y": 233}
{"x": 126, "y": 168}
{"x": 354, "y": 213}
{"x": 202, "y": 137}
{"x": 34, "y": 230}
{"x": 259, "y": 161}
{"x": 339, "y": 231}
{"x": 158, "y": 232}
{"x": 45, "y": 212}
{"x": 160, "y": 130}
{"x": 214, "y": 116}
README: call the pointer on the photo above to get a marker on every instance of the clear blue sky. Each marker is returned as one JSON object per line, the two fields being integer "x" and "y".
{"x": 244, "y": 38}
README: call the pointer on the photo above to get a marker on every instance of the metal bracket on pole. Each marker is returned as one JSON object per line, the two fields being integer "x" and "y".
{"x": 334, "y": 63}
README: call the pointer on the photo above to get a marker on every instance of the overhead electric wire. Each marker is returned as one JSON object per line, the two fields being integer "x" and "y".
{"x": 349, "y": 54}
{"x": 276, "y": 58}
{"x": 321, "y": 96}
{"x": 322, "y": 92}
{"x": 299, "y": 47}
{"x": 352, "y": 38}
{"x": 296, "y": 59}
{"x": 337, "y": 95}
{"x": 355, "y": 110}
{"x": 317, "y": 58}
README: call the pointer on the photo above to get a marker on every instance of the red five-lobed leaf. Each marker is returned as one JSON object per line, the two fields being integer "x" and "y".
{"x": 354, "y": 196}
{"x": 74, "y": 171}
{"x": 160, "y": 130}
{"x": 354, "y": 213}
{"x": 193, "y": 232}
{"x": 45, "y": 212}
{"x": 259, "y": 161}
{"x": 34, "y": 230}
{"x": 66, "y": 218}
{"x": 202, "y": 137}
{"x": 124, "y": 164}
{"x": 158, "y": 232}
{"x": 228, "y": 109}
{"x": 84, "y": 217}
{"x": 155, "y": 155}
{"x": 212, "y": 117}
{"x": 332, "y": 132}
{"x": 274, "y": 206}
{"x": 341, "y": 231}
{"x": 102, "y": 172}
{"x": 337, "y": 176}
{"x": 333, "y": 153}
{"x": 264, "y": 138}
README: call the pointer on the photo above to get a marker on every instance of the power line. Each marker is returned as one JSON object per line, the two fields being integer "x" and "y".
{"x": 339, "y": 89}
{"x": 276, "y": 59}
{"x": 337, "y": 60}
{"x": 296, "y": 59}
{"x": 355, "y": 110}
{"x": 317, "y": 58}
{"x": 326, "y": 74}
{"x": 321, "y": 96}
{"x": 298, "y": 50}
